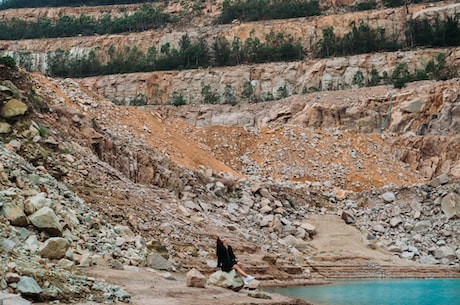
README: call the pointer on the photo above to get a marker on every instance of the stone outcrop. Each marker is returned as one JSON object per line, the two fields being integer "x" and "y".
{"x": 229, "y": 280}
{"x": 266, "y": 79}
{"x": 307, "y": 30}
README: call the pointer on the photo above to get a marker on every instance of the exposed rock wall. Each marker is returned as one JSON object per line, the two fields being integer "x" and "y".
{"x": 423, "y": 118}
{"x": 266, "y": 79}
{"x": 307, "y": 30}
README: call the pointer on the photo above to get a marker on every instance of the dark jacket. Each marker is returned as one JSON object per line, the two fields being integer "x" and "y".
{"x": 225, "y": 256}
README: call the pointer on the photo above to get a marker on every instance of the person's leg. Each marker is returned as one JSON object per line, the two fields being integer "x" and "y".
{"x": 238, "y": 267}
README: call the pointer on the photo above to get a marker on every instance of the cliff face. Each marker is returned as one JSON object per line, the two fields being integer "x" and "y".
{"x": 266, "y": 79}
{"x": 307, "y": 30}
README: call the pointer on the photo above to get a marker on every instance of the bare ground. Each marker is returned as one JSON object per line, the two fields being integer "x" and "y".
{"x": 335, "y": 240}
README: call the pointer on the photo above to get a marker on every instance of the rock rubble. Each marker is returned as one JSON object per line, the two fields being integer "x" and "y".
{"x": 420, "y": 223}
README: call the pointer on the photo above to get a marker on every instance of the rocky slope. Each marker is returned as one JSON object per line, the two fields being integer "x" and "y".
{"x": 129, "y": 166}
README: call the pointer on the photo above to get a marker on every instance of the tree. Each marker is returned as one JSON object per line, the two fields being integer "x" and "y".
{"x": 229, "y": 96}
{"x": 209, "y": 96}
{"x": 221, "y": 50}
{"x": 326, "y": 45}
{"x": 401, "y": 75}
{"x": 248, "y": 91}
{"x": 358, "y": 79}
{"x": 374, "y": 78}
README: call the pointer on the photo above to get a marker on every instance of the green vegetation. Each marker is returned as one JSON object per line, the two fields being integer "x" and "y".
{"x": 248, "y": 91}
{"x": 145, "y": 18}
{"x": 282, "y": 92}
{"x": 190, "y": 55}
{"x": 177, "y": 99}
{"x": 8, "y": 61}
{"x": 229, "y": 96}
{"x": 361, "y": 39}
{"x": 7, "y": 4}
{"x": 209, "y": 95}
{"x": 358, "y": 79}
{"x": 434, "y": 33}
{"x": 364, "y": 6}
{"x": 139, "y": 100}
{"x": 253, "y": 10}
{"x": 435, "y": 69}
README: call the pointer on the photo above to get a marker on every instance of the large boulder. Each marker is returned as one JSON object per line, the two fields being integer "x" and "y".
{"x": 158, "y": 262}
{"x": 450, "y": 205}
{"x": 14, "y": 214}
{"x": 230, "y": 280}
{"x": 13, "y": 108}
{"x": 54, "y": 248}
{"x": 10, "y": 298}
{"x": 46, "y": 220}
{"x": 195, "y": 279}
{"x": 28, "y": 286}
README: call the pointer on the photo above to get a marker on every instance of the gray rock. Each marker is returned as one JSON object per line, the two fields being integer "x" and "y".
{"x": 28, "y": 286}
{"x": 395, "y": 221}
{"x": 309, "y": 228}
{"x": 13, "y": 299}
{"x": 229, "y": 280}
{"x": 13, "y": 108}
{"x": 439, "y": 180}
{"x": 394, "y": 248}
{"x": 266, "y": 220}
{"x": 158, "y": 262}
{"x": 348, "y": 217}
{"x": 379, "y": 228}
{"x": 5, "y": 127}
{"x": 54, "y": 248}
{"x": 407, "y": 255}
{"x": 14, "y": 214}
{"x": 195, "y": 279}
{"x": 266, "y": 209}
{"x": 45, "y": 219}
{"x": 445, "y": 252}
{"x": 450, "y": 205}
{"x": 413, "y": 106}
{"x": 422, "y": 226}
{"x": 34, "y": 203}
{"x": 428, "y": 260}
{"x": 388, "y": 197}
{"x": 65, "y": 264}
{"x": 266, "y": 194}
{"x": 7, "y": 245}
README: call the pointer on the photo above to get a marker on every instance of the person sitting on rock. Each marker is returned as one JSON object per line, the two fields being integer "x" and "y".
{"x": 227, "y": 261}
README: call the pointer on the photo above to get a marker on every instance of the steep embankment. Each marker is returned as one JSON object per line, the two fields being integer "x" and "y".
{"x": 125, "y": 163}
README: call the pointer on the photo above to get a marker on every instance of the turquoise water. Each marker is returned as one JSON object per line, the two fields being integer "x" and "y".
{"x": 380, "y": 292}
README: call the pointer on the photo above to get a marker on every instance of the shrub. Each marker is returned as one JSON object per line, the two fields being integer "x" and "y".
{"x": 358, "y": 79}
{"x": 139, "y": 100}
{"x": 209, "y": 96}
{"x": 253, "y": 10}
{"x": 374, "y": 77}
{"x": 364, "y": 6}
{"x": 282, "y": 92}
{"x": 177, "y": 99}
{"x": 401, "y": 75}
{"x": 248, "y": 91}
{"x": 8, "y": 61}
{"x": 229, "y": 96}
